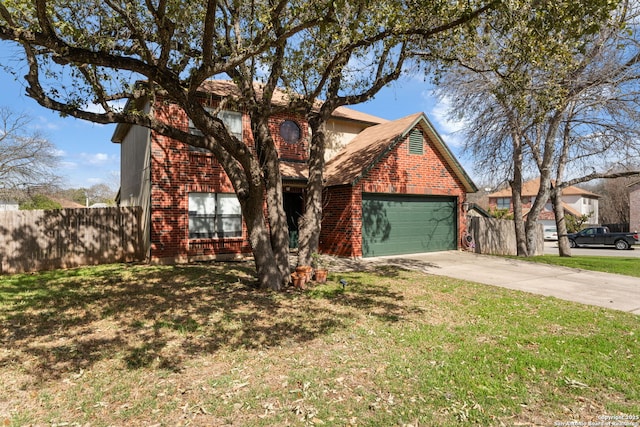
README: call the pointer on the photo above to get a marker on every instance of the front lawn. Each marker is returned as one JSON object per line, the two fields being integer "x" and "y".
{"x": 608, "y": 264}
{"x": 196, "y": 345}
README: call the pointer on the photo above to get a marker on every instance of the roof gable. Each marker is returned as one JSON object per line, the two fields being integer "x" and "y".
{"x": 372, "y": 144}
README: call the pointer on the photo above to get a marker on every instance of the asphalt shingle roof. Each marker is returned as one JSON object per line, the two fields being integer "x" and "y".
{"x": 364, "y": 150}
{"x": 370, "y": 146}
{"x": 530, "y": 188}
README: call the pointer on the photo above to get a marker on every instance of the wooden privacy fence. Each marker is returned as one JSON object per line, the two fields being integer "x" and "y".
{"x": 63, "y": 238}
{"x": 498, "y": 236}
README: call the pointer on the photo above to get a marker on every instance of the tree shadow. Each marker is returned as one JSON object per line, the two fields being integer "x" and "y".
{"x": 62, "y": 322}
{"x": 62, "y": 238}
{"x": 376, "y": 227}
{"x": 407, "y": 264}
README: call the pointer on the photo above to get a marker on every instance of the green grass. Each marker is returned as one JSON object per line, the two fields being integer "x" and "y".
{"x": 178, "y": 345}
{"x": 617, "y": 265}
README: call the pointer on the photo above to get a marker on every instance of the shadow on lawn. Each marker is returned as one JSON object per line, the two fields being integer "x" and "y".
{"x": 158, "y": 317}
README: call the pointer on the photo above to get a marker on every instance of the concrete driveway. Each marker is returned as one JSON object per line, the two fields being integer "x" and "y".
{"x": 587, "y": 287}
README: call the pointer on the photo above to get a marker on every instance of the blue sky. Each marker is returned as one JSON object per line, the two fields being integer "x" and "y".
{"x": 87, "y": 154}
{"x": 89, "y": 157}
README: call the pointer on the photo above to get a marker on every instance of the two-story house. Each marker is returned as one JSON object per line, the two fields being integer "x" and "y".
{"x": 391, "y": 186}
{"x": 576, "y": 202}
{"x": 634, "y": 206}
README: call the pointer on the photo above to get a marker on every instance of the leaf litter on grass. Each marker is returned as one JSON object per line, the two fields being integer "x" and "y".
{"x": 197, "y": 345}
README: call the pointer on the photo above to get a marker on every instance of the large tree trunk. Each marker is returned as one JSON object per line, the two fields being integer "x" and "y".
{"x": 544, "y": 160}
{"x": 531, "y": 226}
{"x": 310, "y": 225}
{"x": 564, "y": 249}
{"x": 278, "y": 229}
{"x": 269, "y": 276}
{"x": 245, "y": 174}
{"x": 516, "y": 197}
{"x": 277, "y": 219}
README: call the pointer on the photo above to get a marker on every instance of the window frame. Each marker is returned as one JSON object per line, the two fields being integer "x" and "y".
{"x": 216, "y": 224}
{"x": 223, "y": 115}
{"x": 286, "y": 127}
{"x": 500, "y": 202}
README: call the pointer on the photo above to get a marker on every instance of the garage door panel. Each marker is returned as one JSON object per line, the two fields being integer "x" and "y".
{"x": 395, "y": 225}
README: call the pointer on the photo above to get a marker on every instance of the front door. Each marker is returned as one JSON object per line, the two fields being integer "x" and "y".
{"x": 293, "y": 208}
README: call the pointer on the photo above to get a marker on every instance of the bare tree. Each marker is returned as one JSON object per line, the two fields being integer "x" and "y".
{"x": 598, "y": 128}
{"x": 549, "y": 89}
{"x": 27, "y": 158}
{"x": 101, "y": 193}
{"x": 613, "y": 205}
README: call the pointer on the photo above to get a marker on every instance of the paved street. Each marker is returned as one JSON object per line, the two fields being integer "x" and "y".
{"x": 551, "y": 248}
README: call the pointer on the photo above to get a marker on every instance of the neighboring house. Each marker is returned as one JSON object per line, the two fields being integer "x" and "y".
{"x": 477, "y": 210}
{"x": 576, "y": 202}
{"x": 391, "y": 186}
{"x": 9, "y": 205}
{"x": 634, "y": 206}
{"x": 67, "y": 204}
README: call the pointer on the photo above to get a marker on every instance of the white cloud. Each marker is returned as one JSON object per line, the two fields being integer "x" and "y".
{"x": 451, "y": 129}
{"x": 96, "y": 158}
{"x": 46, "y": 124}
{"x": 65, "y": 164}
{"x": 93, "y": 181}
{"x": 441, "y": 113}
{"x": 453, "y": 139}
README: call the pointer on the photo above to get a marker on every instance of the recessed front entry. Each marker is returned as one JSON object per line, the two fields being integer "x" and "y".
{"x": 293, "y": 208}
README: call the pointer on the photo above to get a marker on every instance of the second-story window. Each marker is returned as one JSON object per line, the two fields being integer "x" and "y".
{"x": 503, "y": 202}
{"x": 290, "y": 132}
{"x": 232, "y": 121}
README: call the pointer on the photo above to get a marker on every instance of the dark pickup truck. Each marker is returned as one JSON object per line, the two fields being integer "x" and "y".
{"x": 601, "y": 236}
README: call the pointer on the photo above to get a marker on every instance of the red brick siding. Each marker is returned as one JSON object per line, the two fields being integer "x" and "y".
{"x": 295, "y": 152}
{"x": 399, "y": 173}
{"x": 341, "y": 232}
{"x": 168, "y": 203}
{"x": 176, "y": 171}
{"x": 404, "y": 173}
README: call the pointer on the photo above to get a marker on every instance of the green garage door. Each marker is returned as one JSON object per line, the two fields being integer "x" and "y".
{"x": 394, "y": 225}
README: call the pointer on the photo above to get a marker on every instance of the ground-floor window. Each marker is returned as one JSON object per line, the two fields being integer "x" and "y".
{"x": 214, "y": 216}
